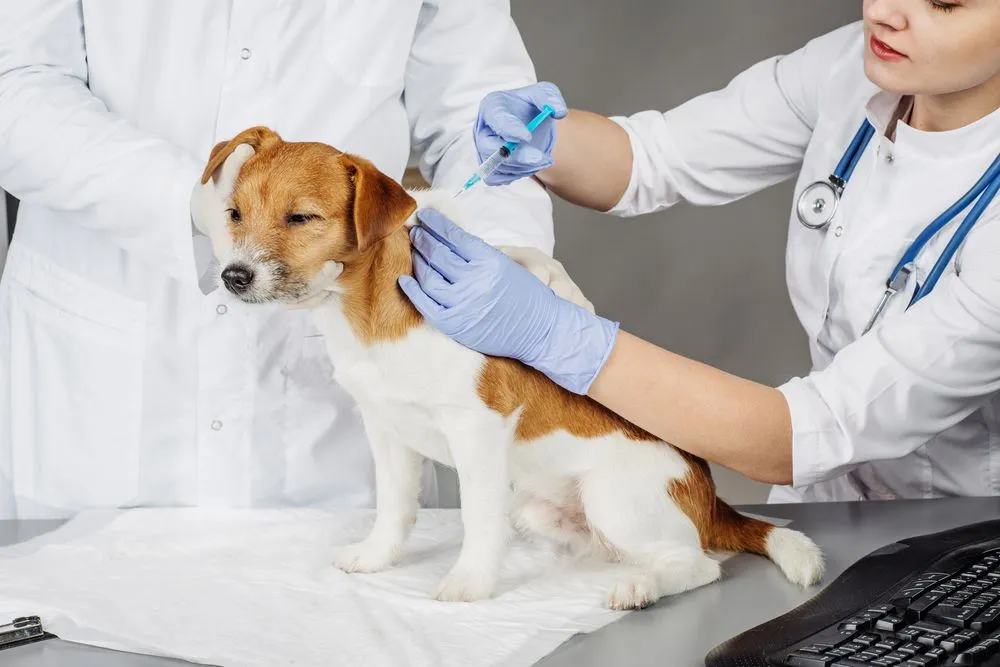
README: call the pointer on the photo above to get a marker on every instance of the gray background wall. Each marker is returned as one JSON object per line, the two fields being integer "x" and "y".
{"x": 707, "y": 283}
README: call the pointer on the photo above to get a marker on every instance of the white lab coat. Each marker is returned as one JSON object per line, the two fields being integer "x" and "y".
{"x": 910, "y": 410}
{"x": 121, "y": 381}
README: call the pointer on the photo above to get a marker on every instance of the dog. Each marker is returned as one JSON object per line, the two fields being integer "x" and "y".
{"x": 310, "y": 224}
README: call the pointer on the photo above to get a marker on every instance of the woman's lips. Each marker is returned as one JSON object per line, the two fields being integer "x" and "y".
{"x": 884, "y": 51}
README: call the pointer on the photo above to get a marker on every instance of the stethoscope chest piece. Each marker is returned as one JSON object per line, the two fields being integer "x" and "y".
{"x": 817, "y": 205}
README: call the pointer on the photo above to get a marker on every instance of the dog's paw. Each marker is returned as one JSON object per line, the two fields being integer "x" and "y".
{"x": 635, "y": 591}
{"x": 367, "y": 556}
{"x": 463, "y": 585}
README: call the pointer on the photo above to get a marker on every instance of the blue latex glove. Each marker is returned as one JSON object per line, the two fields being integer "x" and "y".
{"x": 486, "y": 301}
{"x": 504, "y": 116}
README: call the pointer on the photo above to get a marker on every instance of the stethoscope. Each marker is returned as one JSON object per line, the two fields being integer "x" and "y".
{"x": 818, "y": 203}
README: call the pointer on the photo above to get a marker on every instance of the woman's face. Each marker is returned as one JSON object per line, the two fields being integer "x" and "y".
{"x": 932, "y": 47}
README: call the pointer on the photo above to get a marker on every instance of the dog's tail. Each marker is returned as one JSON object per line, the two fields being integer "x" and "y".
{"x": 797, "y": 556}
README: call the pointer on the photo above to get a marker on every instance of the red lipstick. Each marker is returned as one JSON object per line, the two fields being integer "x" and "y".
{"x": 884, "y": 51}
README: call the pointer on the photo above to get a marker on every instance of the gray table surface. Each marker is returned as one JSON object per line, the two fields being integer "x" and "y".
{"x": 676, "y": 632}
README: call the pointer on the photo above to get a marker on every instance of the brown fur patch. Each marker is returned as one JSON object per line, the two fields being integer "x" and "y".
{"x": 374, "y": 305}
{"x": 720, "y": 527}
{"x": 506, "y": 385}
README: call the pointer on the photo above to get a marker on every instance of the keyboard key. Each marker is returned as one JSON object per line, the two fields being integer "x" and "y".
{"x": 973, "y": 656}
{"x": 889, "y": 644}
{"x": 854, "y": 646}
{"x": 911, "y": 648}
{"x": 880, "y": 610}
{"x": 799, "y": 659}
{"x": 932, "y": 627}
{"x": 906, "y": 596}
{"x": 867, "y": 656}
{"x": 886, "y": 662}
{"x": 988, "y": 620}
{"x": 833, "y": 637}
{"x": 908, "y": 634}
{"x": 849, "y": 662}
{"x": 813, "y": 648}
{"x": 840, "y": 652}
{"x": 938, "y": 654}
{"x": 856, "y": 623}
{"x": 920, "y": 661}
{"x": 890, "y": 623}
{"x": 991, "y": 646}
{"x": 868, "y": 638}
{"x": 919, "y": 607}
{"x": 956, "y": 644}
{"x": 957, "y": 616}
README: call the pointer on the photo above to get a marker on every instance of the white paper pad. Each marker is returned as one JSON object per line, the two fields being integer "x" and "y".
{"x": 257, "y": 587}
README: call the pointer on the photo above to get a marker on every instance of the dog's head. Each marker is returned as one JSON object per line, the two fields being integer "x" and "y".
{"x": 298, "y": 210}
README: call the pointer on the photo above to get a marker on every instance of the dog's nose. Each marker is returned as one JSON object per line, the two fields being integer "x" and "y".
{"x": 237, "y": 278}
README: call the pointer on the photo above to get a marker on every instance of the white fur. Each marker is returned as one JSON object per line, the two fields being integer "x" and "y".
{"x": 418, "y": 398}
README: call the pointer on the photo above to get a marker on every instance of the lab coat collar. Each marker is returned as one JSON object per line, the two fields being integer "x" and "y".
{"x": 980, "y": 136}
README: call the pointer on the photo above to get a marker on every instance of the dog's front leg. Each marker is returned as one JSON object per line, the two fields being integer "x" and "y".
{"x": 397, "y": 490}
{"x": 480, "y": 452}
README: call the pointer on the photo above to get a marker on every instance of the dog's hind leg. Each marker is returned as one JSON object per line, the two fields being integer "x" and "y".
{"x": 649, "y": 534}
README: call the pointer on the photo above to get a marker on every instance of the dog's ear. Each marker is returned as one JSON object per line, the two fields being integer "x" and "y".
{"x": 255, "y": 137}
{"x": 380, "y": 205}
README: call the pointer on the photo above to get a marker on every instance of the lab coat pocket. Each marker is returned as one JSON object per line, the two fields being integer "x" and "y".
{"x": 367, "y": 42}
{"x": 76, "y": 387}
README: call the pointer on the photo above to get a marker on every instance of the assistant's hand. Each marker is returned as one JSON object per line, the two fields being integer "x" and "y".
{"x": 210, "y": 201}
{"x": 504, "y": 116}
{"x": 486, "y": 301}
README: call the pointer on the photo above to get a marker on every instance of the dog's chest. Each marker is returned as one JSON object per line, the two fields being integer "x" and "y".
{"x": 407, "y": 384}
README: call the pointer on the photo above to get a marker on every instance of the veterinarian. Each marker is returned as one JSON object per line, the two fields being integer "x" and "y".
{"x": 126, "y": 377}
{"x": 910, "y": 409}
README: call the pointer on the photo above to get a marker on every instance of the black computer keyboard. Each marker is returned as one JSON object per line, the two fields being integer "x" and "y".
{"x": 926, "y": 601}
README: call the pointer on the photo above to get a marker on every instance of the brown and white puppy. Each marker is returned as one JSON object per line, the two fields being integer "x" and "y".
{"x": 559, "y": 464}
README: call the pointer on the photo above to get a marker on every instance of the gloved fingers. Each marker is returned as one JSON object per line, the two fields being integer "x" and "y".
{"x": 465, "y": 245}
{"x": 527, "y": 158}
{"x": 432, "y": 283}
{"x": 437, "y": 254}
{"x": 426, "y": 306}
{"x": 498, "y": 117}
{"x": 546, "y": 92}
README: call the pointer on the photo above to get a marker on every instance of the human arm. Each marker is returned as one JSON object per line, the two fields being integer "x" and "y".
{"x": 882, "y": 397}
{"x": 462, "y": 50}
{"x": 60, "y": 146}
{"x": 713, "y": 149}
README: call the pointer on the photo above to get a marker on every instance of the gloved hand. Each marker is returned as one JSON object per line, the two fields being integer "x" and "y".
{"x": 486, "y": 301}
{"x": 549, "y": 270}
{"x": 504, "y": 116}
{"x": 209, "y": 202}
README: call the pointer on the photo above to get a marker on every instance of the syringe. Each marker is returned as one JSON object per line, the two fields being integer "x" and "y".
{"x": 491, "y": 163}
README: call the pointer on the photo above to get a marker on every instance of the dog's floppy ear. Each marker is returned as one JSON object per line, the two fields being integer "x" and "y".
{"x": 380, "y": 205}
{"x": 255, "y": 137}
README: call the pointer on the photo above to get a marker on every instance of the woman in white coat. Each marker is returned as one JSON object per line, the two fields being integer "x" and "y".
{"x": 126, "y": 377}
{"x": 909, "y": 409}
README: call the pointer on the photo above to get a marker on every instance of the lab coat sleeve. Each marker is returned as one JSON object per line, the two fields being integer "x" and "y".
{"x": 61, "y": 148}
{"x": 463, "y": 50}
{"x": 921, "y": 372}
{"x": 727, "y": 144}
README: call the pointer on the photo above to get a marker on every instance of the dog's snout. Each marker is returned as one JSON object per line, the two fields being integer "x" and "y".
{"x": 237, "y": 278}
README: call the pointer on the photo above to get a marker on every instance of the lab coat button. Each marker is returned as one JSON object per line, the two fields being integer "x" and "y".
{"x": 889, "y": 159}
{"x": 216, "y": 425}
{"x": 221, "y": 309}
{"x": 245, "y": 54}
{"x": 839, "y": 231}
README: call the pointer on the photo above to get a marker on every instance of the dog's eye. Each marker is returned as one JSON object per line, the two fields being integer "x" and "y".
{"x": 300, "y": 218}
{"x": 234, "y": 215}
